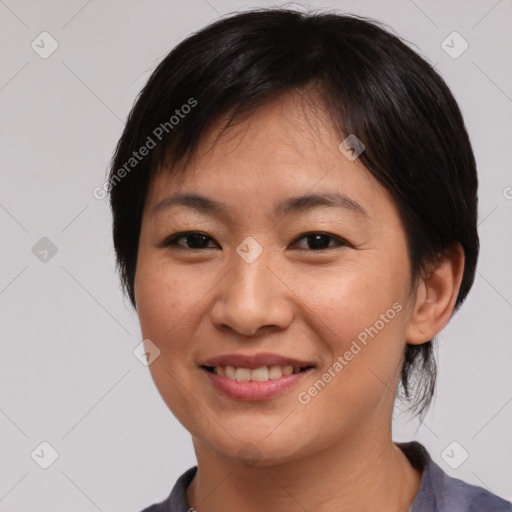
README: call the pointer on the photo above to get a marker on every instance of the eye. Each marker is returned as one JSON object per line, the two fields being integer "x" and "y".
{"x": 316, "y": 241}
{"x": 193, "y": 240}
{"x": 319, "y": 241}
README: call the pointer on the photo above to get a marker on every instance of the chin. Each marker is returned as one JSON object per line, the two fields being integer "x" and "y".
{"x": 252, "y": 448}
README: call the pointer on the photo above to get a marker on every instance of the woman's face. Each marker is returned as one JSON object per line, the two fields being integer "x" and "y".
{"x": 338, "y": 300}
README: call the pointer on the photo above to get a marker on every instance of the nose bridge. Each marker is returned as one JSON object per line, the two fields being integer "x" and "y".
{"x": 250, "y": 269}
{"x": 250, "y": 274}
{"x": 251, "y": 296}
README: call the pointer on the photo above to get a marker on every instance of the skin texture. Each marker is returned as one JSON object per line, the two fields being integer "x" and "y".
{"x": 336, "y": 452}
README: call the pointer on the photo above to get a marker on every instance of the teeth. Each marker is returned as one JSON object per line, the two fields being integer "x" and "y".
{"x": 229, "y": 372}
{"x": 275, "y": 372}
{"x": 261, "y": 374}
{"x": 242, "y": 374}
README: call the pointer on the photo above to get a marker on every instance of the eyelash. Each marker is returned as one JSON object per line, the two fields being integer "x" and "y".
{"x": 173, "y": 239}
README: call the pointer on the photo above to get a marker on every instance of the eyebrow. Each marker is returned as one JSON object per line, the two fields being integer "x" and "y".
{"x": 289, "y": 206}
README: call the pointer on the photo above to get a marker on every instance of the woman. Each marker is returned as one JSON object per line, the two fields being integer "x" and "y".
{"x": 295, "y": 206}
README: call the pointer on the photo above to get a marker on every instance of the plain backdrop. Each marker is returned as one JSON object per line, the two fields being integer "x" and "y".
{"x": 68, "y": 375}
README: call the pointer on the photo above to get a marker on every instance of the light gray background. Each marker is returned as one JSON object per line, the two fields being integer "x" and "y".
{"x": 68, "y": 373}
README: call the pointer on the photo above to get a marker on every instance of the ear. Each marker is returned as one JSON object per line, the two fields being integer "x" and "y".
{"x": 436, "y": 296}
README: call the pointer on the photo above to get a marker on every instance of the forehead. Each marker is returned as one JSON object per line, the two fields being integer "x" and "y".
{"x": 288, "y": 128}
{"x": 282, "y": 149}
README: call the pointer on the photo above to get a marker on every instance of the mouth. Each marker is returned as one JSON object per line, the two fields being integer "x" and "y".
{"x": 259, "y": 374}
{"x": 254, "y": 384}
{"x": 255, "y": 377}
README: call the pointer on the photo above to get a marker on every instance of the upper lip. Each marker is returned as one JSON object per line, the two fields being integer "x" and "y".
{"x": 254, "y": 361}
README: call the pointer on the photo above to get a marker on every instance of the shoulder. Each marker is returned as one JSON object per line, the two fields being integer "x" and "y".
{"x": 455, "y": 495}
{"x": 177, "y": 500}
{"x": 440, "y": 492}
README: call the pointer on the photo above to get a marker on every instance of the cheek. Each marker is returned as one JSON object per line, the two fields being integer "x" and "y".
{"x": 165, "y": 296}
{"x": 352, "y": 296}
{"x": 165, "y": 308}
{"x": 359, "y": 311}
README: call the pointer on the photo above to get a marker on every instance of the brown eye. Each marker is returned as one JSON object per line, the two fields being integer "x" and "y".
{"x": 193, "y": 240}
{"x": 318, "y": 241}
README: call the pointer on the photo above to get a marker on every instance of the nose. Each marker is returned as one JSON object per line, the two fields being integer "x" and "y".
{"x": 253, "y": 298}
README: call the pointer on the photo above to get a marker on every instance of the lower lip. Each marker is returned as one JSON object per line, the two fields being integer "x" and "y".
{"x": 251, "y": 390}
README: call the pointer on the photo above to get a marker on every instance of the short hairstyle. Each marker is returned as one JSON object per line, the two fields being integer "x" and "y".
{"x": 366, "y": 81}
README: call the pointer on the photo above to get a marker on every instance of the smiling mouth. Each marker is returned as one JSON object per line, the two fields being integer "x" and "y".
{"x": 260, "y": 374}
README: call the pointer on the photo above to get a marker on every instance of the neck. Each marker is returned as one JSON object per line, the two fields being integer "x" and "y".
{"x": 365, "y": 472}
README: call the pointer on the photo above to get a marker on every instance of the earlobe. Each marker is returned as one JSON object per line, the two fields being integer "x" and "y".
{"x": 436, "y": 296}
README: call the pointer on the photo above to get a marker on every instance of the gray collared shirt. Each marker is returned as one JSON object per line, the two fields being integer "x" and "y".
{"x": 438, "y": 492}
